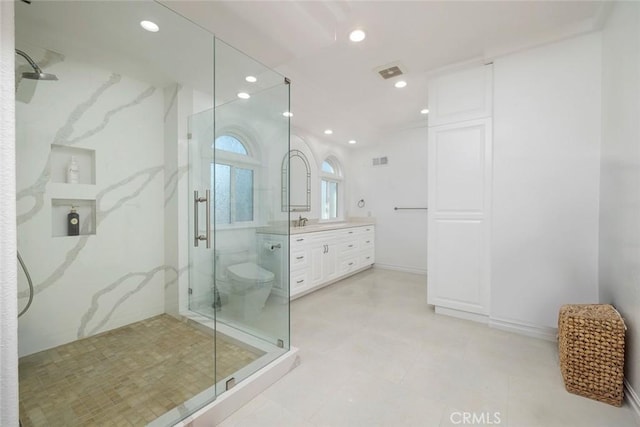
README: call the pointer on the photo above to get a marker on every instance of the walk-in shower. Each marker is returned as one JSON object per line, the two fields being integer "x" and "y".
{"x": 150, "y": 302}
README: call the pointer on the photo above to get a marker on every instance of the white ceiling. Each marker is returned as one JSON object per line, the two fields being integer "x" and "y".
{"x": 333, "y": 80}
{"x": 334, "y": 84}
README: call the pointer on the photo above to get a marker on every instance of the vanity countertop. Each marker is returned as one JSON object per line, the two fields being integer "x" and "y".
{"x": 317, "y": 227}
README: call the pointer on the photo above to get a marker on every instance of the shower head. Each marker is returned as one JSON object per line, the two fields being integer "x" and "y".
{"x": 37, "y": 74}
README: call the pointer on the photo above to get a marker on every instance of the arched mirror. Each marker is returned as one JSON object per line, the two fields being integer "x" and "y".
{"x": 296, "y": 177}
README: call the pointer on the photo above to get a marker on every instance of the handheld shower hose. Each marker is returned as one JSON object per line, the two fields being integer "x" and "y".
{"x": 31, "y": 292}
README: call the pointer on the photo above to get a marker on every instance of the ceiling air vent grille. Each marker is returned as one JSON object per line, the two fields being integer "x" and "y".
{"x": 391, "y": 72}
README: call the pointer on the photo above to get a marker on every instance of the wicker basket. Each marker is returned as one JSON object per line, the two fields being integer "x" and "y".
{"x": 591, "y": 342}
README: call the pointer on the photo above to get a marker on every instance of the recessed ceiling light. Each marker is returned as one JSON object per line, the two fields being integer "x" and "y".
{"x": 287, "y": 114}
{"x": 353, "y": 141}
{"x": 400, "y": 84}
{"x": 357, "y": 36}
{"x": 424, "y": 111}
{"x": 243, "y": 95}
{"x": 328, "y": 132}
{"x": 251, "y": 79}
{"x": 150, "y": 26}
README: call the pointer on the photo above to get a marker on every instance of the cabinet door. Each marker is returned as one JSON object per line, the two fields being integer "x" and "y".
{"x": 330, "y": 261}
{"x": 458, "y": 216}
{"x": 462, "y": 95}
{"x": 317, "y": 251}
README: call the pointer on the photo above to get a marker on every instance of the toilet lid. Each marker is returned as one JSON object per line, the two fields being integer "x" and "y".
{"x": 250, "y": 272}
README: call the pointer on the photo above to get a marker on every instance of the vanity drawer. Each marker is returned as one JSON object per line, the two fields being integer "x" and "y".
{"x": 347, "y": 247}
{"x": 366, "y": 242}
{"x": 368, "y": 229}
{"x": 348, "y": 265}
{"x": 348, "y": 233}
{"x": 298, "y": 239}
{"x": 367, "y": 258}
{"x": 299, "y": 282}
{"x": 299, "y": 258}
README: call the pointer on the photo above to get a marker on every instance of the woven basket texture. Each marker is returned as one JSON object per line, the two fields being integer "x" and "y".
{"x": 591, "y": 346}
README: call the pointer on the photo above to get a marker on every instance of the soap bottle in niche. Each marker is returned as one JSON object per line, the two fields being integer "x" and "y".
{"x": 73, "y": 222}
{"x": 73, "y": 171}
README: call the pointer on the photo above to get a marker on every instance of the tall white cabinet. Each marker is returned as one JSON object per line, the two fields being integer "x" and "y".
{"x": 459, "y": 192}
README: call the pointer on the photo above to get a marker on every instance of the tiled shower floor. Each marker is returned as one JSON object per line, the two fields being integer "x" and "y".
{"x": 127, "y": 376}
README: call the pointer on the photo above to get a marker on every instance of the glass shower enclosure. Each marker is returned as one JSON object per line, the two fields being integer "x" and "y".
{"x": 239, "y": 241}
{"x": 177, "y": 286}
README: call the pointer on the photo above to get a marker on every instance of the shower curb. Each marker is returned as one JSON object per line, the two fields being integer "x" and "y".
{"x": 229, "y": 402}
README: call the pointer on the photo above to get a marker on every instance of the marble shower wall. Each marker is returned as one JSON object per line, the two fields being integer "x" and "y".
{"x": 88, "y": 284}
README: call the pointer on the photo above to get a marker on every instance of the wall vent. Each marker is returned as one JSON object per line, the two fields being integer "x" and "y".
{"x": 379, "y": 161}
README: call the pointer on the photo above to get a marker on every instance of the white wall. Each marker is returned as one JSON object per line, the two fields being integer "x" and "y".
{"x": 401, "y": 236}
{"x": 92, "y": 283}
{"x": 620, "y": 176}
{"x": 546, "y": 180}
{"x": 8, "y": 279}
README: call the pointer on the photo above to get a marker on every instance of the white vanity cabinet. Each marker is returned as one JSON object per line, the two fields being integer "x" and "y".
{"x": 323, "y": 257}
{"x": 299, "y": 263}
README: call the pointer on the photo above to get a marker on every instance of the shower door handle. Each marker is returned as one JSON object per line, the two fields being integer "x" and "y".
{"x": 207, "y": 197}
{"x": 197, "y": 237}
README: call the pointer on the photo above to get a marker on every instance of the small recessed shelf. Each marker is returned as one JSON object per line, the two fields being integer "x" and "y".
{"x": 85, "y": 208}
{"x": 61, "y": 157}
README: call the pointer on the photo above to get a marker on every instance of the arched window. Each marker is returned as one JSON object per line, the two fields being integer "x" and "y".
{"x": 232, "y": 176}
{"x": 329, "y": 191}
{"x": 328, "y": 167}
{"x": 231, "y": 144}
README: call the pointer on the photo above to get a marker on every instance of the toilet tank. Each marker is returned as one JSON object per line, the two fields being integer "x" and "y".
{"x": 225, "y": 257}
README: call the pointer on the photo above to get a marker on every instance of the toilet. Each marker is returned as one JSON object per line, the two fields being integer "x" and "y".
{"x": 245, "y": 284}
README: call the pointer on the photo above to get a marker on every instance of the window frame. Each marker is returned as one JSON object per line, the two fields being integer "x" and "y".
{"x": 336, "y": 178}
{"x": 235, "y": 161}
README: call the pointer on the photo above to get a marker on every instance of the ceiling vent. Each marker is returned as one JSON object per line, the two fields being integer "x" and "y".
{"x": 390, "y": 71}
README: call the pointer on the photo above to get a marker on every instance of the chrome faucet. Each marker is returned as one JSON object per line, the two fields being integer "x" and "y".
{"x": 302, "y": 221}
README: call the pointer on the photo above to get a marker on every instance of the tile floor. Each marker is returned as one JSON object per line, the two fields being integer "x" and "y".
{"x": 374, "y": 354}
{"x": 127, "y": 376}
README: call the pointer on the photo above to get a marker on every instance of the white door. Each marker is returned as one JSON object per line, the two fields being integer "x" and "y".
{"x": 459, "y": 204}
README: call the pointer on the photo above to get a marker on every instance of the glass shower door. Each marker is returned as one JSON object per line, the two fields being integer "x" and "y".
{"x": 239, "y": 234}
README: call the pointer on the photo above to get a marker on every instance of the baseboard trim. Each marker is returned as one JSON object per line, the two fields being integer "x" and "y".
{"x": 475, "y": 317}
{"x": 632, "y": 398}
{"x": 542, "y": 332}
{"x": 400, "y": 268}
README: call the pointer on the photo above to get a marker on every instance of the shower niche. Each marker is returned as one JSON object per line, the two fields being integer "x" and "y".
{"x": 85, "y": 159}
{"x": 60, "y": 209}
{"x": 79, "y": 195}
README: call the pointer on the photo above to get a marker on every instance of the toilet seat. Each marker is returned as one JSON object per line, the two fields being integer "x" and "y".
{"x": 249, "y": 272}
